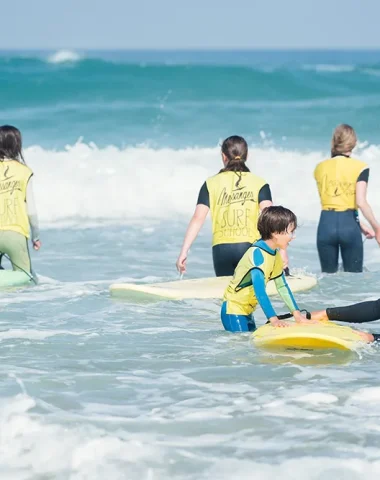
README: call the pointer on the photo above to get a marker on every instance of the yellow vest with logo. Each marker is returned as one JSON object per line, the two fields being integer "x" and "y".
{"x": 234, "y": 206}
{"x": 240, "y": 296}
{"x": 14, "y": 177}
{"x": 336, "y": 180}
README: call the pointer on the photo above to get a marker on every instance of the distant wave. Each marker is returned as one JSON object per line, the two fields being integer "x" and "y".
{"x": 87, "y": 183}
{"x": 64, "y": 56}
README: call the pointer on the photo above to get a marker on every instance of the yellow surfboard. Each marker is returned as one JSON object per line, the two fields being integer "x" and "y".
{"x": 326, "y": 335}
{"x": 212, "y": 287}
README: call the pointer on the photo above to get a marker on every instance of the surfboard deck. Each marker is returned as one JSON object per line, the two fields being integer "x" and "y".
{"x": 212, "y": 287}
{"x": 325, "y": 335}
{"x": 10, "y": 278}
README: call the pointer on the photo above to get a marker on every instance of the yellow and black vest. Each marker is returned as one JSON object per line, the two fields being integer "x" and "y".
{"x": 336, "y": 180}
{"x": 240, "y": 296}
{"x": 234, "y": 206}
{"x": 14, "y": 177}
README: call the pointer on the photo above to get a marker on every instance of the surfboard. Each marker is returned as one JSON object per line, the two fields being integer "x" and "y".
{"x": 196, "y": 288}
{"x": 10, "y": 278}
{"x": 325, "y": 335}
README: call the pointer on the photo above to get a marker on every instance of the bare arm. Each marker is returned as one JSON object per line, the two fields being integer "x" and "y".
{"x": 365, "y": 208}
{"x": 196, "y": 222}
{"x": 32, "y": 215}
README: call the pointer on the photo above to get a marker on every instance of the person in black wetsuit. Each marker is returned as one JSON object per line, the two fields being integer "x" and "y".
{"x": 356, "y": 313}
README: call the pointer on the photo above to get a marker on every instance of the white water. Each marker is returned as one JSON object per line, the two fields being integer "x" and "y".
{"x": 85, "y": 182}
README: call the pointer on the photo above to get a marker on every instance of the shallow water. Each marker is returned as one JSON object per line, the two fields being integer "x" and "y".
{"x": 94, "y": 387}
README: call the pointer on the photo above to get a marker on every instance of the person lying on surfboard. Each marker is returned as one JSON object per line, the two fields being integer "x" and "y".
{"x": 356, "y": 313}
{"x": 261, "y": 262}
{"x": 235, "y": 197}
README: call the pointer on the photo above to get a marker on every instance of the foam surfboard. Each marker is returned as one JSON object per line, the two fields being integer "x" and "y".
{"x": 10, "y": 278}
{"x": 325, "y": 335}
{"x": 198, "y": 288}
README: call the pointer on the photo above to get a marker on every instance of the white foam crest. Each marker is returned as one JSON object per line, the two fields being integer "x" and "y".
{"x": 331, "y": 68}
{"x": 64, "y": 56}
{"x": 85, "y": 182}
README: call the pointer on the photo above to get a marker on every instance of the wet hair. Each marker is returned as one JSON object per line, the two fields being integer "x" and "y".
{"x": 275, "y": 219}
{"x": 343, "y": 141}
{"x": 235, "y": 149}
{"x": 11, "y": 143}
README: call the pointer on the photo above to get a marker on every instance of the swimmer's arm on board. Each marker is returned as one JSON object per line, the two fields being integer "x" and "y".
{"x": 287, "y": 296}
{"x": 196, "y": 223}
{"x": 258, "y": 283}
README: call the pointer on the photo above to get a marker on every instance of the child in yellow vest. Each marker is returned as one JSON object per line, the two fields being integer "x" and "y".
{"x": 17, "y": 211}
{"x": 262, "y": 262}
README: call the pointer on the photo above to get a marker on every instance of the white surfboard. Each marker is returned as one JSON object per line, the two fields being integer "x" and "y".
{"x": 212, "y": 287}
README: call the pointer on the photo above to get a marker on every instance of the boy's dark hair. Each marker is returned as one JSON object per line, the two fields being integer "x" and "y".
{"x": 275, "y": 219}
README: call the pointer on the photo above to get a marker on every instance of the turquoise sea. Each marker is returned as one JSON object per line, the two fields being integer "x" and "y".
{"x": 95, "y": 388}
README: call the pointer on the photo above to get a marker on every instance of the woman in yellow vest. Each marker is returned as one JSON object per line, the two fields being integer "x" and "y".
{"x": 235, "y": 197}
{"x": 342, "y": 186}
{"x": 17, "y": 208}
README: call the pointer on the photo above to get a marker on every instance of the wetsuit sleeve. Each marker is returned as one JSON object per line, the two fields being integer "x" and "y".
{"x": 364, "y": 176}
{"x": 357, "y": 313}
{"x": 265, "y": 193}
{"x": 32, "y": 212}
{"x": 285, "y": 293}
{"x": 204, "y": 196}
{"x": 258, "y": 283}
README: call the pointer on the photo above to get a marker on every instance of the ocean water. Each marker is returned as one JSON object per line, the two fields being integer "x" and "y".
{"x": 120, "y": 143}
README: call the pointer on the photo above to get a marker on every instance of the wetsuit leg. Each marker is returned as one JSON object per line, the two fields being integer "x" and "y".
{"x": 226, "y": 257}
{"x": 376, "y": 337}
{"x": 350, "y": 240}
{"x": 236, "y": 323}
{"x": 327, "y": 242}
{"x": 16, "y": 247}
{"x": 356, "y": 313}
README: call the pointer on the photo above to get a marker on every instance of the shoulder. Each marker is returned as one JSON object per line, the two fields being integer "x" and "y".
{"x": 360, "y": 163}
{"x": 322, "y": 164}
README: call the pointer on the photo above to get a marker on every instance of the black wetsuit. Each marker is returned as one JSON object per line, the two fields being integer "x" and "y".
{"x": 356, "y": 313}
{"x": 226, "y": 256}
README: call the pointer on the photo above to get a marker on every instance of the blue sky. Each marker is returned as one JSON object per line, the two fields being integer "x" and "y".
{"x": 176, "y": 24}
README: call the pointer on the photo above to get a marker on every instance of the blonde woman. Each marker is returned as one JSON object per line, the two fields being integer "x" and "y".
{"x": 342, "y": 185}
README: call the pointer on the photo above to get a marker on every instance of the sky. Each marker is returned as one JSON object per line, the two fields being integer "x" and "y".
{"x": 190, "y": 24}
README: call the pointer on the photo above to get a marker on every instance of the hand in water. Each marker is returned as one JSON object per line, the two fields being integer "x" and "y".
{"x": 37, "y": 244}
{"x": 181, "y": 263}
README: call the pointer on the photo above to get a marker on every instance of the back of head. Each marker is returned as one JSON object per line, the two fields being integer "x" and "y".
{"x": 343, "y": 140}
{"x": 235, "y": 149}
{"x": 275, "y": 219}
{"x": 11, "y": 143}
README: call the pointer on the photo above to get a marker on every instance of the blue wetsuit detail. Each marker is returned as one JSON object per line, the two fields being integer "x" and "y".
{"x": 236, "y": 323}
{"x": 258, "y": 282}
